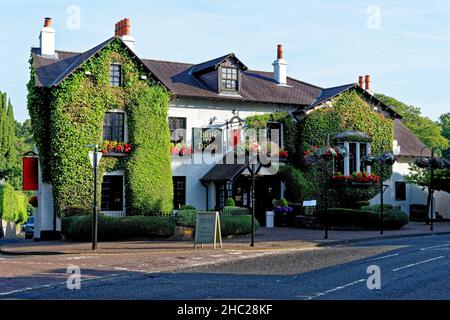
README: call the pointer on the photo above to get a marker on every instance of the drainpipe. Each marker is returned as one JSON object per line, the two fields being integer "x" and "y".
{"x": 207, "y": 194}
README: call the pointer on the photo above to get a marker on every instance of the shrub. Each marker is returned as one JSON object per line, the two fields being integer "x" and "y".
{"x": 297, "y": 187}
{"x": 77, "y": 211}
{"x": 186, "y": 218}
{"x": 230, "y": 202}
{"x": 234, "y": 211}
{"x": 376, "y": 207}
{"x": 235, "y": 225}
{"x": 188, "y": 207}
{"x": 13, "y": 205}
{"x": 79, "y": 228}
{"x": 340, "y": 217}
{"x": 284, "y": 202}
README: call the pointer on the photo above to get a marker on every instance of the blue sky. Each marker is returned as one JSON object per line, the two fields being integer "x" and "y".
{"x": 328, "y": 43}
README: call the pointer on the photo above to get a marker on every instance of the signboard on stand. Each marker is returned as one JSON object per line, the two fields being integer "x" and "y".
{"x": 207, "y": 228}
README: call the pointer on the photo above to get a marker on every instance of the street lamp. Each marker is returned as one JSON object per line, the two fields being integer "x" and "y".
{"x": 95, "y": 157}
{"x": 386, "y": 158}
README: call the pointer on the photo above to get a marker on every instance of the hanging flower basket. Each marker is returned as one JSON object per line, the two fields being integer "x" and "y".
{"x": 327, "y": 153}
{"x": 283, "y": 154}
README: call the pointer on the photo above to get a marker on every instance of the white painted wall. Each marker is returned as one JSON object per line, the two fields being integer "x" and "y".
{"x": 198, "y": 114}
{"x": 43, "y": 216}
{"x": 414, "y": 194}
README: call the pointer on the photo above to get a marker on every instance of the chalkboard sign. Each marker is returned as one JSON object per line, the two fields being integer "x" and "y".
{"x": 207, "y": 140}
{"x": 207, "y": 228}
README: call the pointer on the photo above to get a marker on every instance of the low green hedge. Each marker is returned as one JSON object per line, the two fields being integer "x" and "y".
{"x": 186, "y": 218}
{"x": 235, "y": 225}
{"x": 79, "y": 228}
{"x": 234, "y": 211}
{"x": 342, "y": 217}
{"x": 13, "y": 205}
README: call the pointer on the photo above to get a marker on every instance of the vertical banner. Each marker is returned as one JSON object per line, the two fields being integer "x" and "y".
{"x": 30, "y": 181}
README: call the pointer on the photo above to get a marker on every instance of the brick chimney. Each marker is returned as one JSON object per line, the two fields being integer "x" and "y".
{"x": 47, "y": 38}
{"x": 123, "y": 31}
{"x": 367, "y": 81}
{"x": 361, "y": 81}
{"x": 280, "y": 67}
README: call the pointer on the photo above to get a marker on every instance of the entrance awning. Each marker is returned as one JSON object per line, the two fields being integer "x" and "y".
{"x": 223, "y": 172}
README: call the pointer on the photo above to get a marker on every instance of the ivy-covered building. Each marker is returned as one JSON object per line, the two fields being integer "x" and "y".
{"x": 154, "y": 119}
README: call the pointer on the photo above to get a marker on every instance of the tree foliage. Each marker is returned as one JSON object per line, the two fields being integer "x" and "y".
{"x": 427, "y": 130}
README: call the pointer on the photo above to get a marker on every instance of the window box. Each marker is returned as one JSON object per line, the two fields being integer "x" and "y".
{"x": 116, "y": 149}
{"x": 180, "y": 150}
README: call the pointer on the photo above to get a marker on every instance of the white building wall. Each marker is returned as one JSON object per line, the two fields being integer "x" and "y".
{"x": 198, "y": 114}
{"x": 414, "y": 194}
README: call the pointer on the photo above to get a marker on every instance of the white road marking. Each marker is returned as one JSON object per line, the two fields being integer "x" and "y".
{"x": 383, "y": 257}
{"x": 55, "y": 284}
{"x": 417, "y": 263}
{"x": 336, "y": 289}
{"x": 433, "y": 247}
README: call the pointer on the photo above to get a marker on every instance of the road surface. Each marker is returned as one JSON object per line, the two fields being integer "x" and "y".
{"x": 410, "y": 268}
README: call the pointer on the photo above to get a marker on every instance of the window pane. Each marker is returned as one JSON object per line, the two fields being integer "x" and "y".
{"x": 115, "y": 75}
{"x": 112, "y": 193}
{"x": 179, "y": 192}
{"x": 400, "y": 191}
{"x": 114, "y": 126}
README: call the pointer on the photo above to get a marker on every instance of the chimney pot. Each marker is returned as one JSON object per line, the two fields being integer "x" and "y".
{"x": 360, "y": 81}
{"x": 279, "y": 51}
{"x": 367, "y": 81}
{"x": 127, "y": 27}
{"x": 47, "y": 22}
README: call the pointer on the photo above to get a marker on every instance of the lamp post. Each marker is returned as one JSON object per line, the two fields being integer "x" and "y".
{"x": 95, "y": 157}
{"x": 254, "y": 169}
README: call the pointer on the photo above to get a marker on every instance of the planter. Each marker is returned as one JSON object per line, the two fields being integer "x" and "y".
{"x": 361, "y": 184}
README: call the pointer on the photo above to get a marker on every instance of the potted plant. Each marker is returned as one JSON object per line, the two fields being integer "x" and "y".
{"x": 115, "y": 148}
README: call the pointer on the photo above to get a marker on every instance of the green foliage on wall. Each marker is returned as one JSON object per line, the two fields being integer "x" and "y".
{"x": 13, "y": 204}
{"x": 289, "y": 127}
{"x": 149, "y": 172}
{"x": 298, "y": 188}
{"x": 350, "y": 112}
{"x": 67, "y": 117}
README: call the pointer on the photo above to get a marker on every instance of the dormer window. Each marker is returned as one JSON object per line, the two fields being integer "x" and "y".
{"x": 229, "y": 81}
{"x": 115, "y": 75}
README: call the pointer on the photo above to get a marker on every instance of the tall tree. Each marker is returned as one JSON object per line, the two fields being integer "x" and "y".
{"x": 427, "y": 130}
{"x": 445, "y": 124}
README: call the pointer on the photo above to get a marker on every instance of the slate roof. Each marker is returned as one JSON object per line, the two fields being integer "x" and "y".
{"x": 180, "y": 79}
{"x": 410, "y": 145}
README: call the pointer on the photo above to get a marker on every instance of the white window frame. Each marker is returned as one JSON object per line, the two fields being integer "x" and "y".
{"x": 122, "y": 213}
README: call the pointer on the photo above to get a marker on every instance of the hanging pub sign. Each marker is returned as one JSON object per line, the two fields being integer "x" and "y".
{"x": 207, "y": 140}
{"x": 30, "y": 172}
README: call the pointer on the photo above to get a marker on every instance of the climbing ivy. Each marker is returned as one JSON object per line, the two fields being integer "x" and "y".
{"x": 67, "y": 117}
{"x": 349, "y": 112}
{"x": 260, "y": 121}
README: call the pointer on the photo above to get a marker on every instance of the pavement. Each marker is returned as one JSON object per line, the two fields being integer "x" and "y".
{"x": 266, "y": 239}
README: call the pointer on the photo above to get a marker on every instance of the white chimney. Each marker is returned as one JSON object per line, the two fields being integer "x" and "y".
{"x": 47, "y": 38}
{"x": 280, "y": 67}
{"x": 123, "y": 32}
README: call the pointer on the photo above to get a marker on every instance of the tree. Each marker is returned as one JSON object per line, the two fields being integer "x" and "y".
{"x": 445, "y": 125}
{"x": 421, "y": 177}
{"x": 428, "y": 131}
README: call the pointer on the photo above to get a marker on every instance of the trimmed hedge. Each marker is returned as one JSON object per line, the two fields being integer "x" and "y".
{"x": 79, "y": 228}
{"x": 13, "y": 205}
{"x": 186, "y": 218}
{"x": 236, "y": 225}
{"x": 343, "y": 217}
{"x": 234, "y": 211}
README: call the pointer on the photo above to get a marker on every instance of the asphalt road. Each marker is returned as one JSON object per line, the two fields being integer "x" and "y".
{"x": 410, "y": 268}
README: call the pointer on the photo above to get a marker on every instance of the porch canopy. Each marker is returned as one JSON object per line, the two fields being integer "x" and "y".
{"x": 223, "y": 172}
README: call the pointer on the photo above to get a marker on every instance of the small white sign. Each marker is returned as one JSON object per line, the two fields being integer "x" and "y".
{"x": 310, "y": 203}
{"x": 91, "y": 157}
